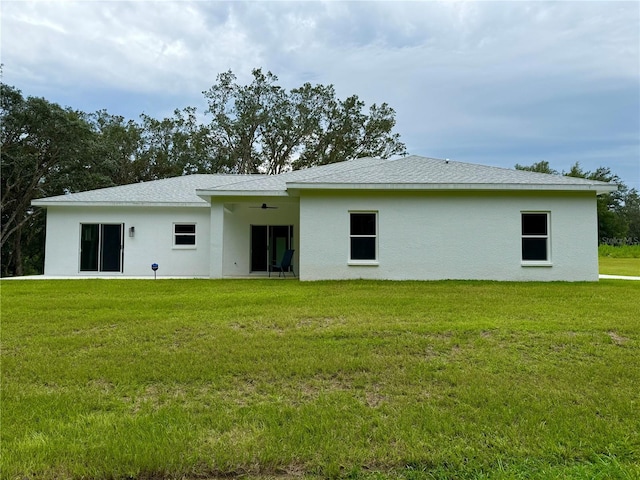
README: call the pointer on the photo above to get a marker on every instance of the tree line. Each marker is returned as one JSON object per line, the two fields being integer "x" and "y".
{"x": 259, "y": 127}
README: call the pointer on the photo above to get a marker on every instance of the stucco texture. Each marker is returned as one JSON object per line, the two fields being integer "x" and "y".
{"x": 433, "y": 236}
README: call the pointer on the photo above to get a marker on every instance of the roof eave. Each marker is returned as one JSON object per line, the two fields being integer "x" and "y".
{"x": 599, "y": 189}
{"x": 49, "y": 203}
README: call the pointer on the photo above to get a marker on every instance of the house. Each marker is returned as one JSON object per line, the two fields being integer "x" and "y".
{"x": 406, "y": 218}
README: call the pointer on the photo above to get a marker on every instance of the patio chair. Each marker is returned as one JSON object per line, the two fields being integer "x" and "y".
{"x": 284, "y": 265}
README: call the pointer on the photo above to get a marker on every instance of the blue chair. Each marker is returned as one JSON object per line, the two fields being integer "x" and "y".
{"x": 284, "y": 265}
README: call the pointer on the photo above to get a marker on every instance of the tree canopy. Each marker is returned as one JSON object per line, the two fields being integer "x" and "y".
{"x": 262, "y": 127}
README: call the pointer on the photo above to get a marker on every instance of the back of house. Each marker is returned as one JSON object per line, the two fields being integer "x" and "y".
{"x": 409, "y": 218}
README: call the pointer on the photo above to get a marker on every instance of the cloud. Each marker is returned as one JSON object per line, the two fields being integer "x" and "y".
{"x": 501, "y": 80}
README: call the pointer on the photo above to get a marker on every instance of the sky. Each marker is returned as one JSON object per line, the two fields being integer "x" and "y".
{"x": 493, "y": 83}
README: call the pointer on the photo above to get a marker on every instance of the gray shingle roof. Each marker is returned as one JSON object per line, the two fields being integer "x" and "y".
{"x": 179, "y": 191}
{"x": 272, "y": 183}
{"x": 412, "y": 172}
{"x": 426, "y": 172}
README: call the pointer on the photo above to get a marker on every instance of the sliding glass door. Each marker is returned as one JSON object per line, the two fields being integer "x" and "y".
{"x": 101, "y": 247}
{"x": 268, "y": 244}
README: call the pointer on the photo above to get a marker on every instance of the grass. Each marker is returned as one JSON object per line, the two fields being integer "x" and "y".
{"x": 619, "y": 260}
{"x": 619, "y": 266}
{"x": 373, "y": 380}
{"x": 619, "y": 251}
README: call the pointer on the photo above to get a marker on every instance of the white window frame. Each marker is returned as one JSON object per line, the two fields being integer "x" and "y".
{"x": 371, "y": 262}
{"x": 547, "y": 237}
{"x": 175, "y": 235}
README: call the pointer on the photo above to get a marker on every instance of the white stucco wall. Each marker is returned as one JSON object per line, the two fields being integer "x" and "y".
{"x": 430, "y": 236}
{"x": 152, "y": 243}
{"x": 422, "y": 236}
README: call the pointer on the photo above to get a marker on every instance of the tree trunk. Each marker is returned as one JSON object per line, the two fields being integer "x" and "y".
{"x": 17, "y": 253}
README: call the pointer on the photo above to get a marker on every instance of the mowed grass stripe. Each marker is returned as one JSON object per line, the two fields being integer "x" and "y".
{"x": 188, "y": 378}
{"x": 619, "y": 266}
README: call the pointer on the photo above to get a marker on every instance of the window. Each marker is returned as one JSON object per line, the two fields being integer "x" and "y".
{"x": 535, "y": 237}
{"x": 184, "y": 235}
{"x": 363, "y": 236}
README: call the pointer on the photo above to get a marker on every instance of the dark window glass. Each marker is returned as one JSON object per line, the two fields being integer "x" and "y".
{"x": 185, "y": 239}
{"x": 534, "y": 224}
{"x": 534, "y": 249}
{"x": 363, "y": 224}
{"x": 111, "y": 248}
{"x": 185, "y": 229}
{"x": 363, "y": 248}
{"x": 89, "y": 242}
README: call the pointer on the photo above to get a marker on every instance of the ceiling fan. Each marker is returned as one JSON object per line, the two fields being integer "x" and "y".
{"x": 264, "y": 206}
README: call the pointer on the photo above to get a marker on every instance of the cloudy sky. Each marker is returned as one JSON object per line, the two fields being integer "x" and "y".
{"x": 497, "y": 83}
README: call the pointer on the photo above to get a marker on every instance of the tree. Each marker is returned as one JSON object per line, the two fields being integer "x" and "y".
{"x": 39, "y": 142}
{"x": 295, "y": 116}
{"x": 238, "y": 112}
{"x": 118, "y": 145}
{"x": 262, "y": 127}
{"x": 131, "y": 152}
{"x": 540, "y": 167}
{"x": 346, "y": 132}
{"x": 631, "y": 213}
{"x": 174, "y": 146}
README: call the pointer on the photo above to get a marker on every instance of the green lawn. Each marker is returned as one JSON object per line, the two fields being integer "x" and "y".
{"x": 620, "y": 266}
{"x": 619, "y": 260}
{"x": 201, "y": 378}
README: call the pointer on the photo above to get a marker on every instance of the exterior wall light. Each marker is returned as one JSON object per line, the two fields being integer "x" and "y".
{"x": 132, "y": 231}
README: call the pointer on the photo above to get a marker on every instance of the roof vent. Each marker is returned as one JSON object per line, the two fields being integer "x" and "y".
{"x": 446, "y": 160}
